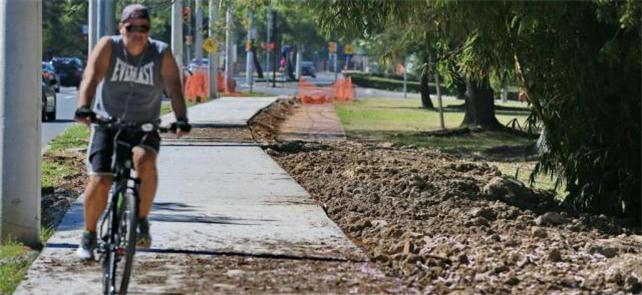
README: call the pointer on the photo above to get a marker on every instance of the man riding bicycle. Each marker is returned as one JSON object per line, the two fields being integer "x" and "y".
{"x": 133, "y": 71}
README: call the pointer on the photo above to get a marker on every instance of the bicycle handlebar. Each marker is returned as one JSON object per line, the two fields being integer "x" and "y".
{"x": 118, "y": 124}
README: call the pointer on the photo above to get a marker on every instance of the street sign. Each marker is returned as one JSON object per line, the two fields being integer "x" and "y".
{"x": 210, "y": 45}
{"x": 332, "y": 47}
{"x": 348, "y": 49}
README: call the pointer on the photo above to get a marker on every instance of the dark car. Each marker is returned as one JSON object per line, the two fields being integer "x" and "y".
{"x": 307, "y": 69}
{"x": 49, "y": 73}
{"x": 48, "y": 100}
{"x": 69, "y": 69}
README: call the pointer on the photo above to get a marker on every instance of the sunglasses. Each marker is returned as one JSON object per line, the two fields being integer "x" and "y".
{"x": 137, "y": 29}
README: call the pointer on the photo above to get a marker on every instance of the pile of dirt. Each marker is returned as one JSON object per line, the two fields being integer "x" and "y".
{"x": 265, "y": 125}
{"x": 442, "y": 224}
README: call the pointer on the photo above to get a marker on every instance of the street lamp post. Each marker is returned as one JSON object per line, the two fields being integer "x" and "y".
{"x": 20, "y": 120}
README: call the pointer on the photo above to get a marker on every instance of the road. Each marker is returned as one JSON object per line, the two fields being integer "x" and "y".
{"x": 65, "y": 108}
{"x": 324, "y": 78}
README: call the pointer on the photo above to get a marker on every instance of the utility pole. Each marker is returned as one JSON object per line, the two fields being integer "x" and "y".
{"x": 177, "y": 34}
{"x": 213, "y": 56}
{"x": 249, "y": 55}
{"x": 405, "y": 78}
{"x": 275, "y": 49}
{"x": 336, "y": 66}
{"x": 110, "y": 17}
{"x": 441, "y": 109}
{"x": 268, "y": 44}
{"x": 298, "y": 63}
{"x": 92, "y": 32}
{"x": 105, "y": 19}
{"x": 20, "y": 121}
{"x": 229, "y": 46}
{"x": 198, "y": 38}
{"x": 189, "y": 39}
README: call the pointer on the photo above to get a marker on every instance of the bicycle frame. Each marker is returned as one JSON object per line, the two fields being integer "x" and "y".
{"x": 112, "y": 230}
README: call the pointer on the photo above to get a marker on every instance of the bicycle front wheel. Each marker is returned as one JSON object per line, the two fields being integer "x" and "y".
{"x": 119, "y": 258}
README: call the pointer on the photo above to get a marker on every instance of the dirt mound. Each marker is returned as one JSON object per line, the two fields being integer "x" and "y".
{"x": 443, "y": 224}
{"x": 265, "y": 125}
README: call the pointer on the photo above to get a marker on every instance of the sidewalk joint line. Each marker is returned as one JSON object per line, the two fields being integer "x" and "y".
{"x": 224, "y": 253}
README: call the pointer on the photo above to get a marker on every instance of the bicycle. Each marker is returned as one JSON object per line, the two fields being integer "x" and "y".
{"x": 117, "y": 229}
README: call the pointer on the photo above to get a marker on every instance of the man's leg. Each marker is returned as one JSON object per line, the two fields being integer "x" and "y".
{"x": 97, "y": 189}
{"x": 145, "y": 165}
{"x": 96, "y": 194}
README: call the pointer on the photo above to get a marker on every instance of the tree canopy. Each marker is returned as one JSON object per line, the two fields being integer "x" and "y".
{"x": 579, "y": 63}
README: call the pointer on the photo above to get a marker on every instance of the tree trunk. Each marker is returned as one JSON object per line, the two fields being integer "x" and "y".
{"x": 480, "y": 105}
{"x": 424, "y": 87}
{"x": 460, "y": 86}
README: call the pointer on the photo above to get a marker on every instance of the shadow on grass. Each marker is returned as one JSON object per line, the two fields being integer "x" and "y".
{"x": 484, "y": 145}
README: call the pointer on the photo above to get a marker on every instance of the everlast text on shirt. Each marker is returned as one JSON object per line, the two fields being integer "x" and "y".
{"x": 124, "y": 72}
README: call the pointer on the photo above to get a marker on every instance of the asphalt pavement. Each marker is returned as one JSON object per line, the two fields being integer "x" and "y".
{"x": 323, "y": 79}
{"x": 213, "y": 199}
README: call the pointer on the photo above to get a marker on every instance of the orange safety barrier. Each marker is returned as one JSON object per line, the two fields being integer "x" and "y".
{"x": 341, "y": 90}
{"x": 197, "y": 85}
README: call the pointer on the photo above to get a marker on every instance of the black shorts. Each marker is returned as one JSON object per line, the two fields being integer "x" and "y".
{"x": 101, "y": 146}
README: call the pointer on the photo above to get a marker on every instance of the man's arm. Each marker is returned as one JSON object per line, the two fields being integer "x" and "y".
{"x": 97, "y": 65}
{"x": 172, "y": 81}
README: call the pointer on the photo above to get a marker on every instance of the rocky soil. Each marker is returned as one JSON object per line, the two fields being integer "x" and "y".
{"x": 444, "y": 225}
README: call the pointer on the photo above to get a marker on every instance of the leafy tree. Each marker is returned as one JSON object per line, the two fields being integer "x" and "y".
{"x": 579, "y": 63}
{"x": 62, "y": 33}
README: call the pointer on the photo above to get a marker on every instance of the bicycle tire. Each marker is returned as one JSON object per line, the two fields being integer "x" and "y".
{"x": 109, "y": 259}
{"x": 130, "y": 222}
{"x": 122, "y": 239}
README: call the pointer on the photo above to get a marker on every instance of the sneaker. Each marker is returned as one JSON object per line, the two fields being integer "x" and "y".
{"x": 87, "y": 246}
{"x": 144, "y": 238}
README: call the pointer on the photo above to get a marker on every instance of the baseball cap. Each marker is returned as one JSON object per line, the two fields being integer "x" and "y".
{"x": 133, "y": 11}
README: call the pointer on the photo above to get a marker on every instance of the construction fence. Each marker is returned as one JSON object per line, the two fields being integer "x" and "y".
{"x": 196, "y": 85}
{"x": 341, "y": 91}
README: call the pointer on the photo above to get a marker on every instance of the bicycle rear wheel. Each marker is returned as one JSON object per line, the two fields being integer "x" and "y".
{"x": 120, "y": 249}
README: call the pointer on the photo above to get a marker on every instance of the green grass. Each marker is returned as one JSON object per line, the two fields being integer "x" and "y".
{"x": 53, "y": 172}
{"x": 522, "y": 171}
{"x": 12, "y": 270}
{"x": 404, "y": 122}
{"x": 76, "y": 136}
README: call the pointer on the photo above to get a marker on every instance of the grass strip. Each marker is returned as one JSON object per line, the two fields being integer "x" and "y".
{"x": 76, "y": 136}
{"x": 405, "y": 122}
{"x": 13, "y": 266}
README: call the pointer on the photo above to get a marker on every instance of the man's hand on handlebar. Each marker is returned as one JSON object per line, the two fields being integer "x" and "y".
{"x": 181, "y": 127}
{"x": 85, "y": 115}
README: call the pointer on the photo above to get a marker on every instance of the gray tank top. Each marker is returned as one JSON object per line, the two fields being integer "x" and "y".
{"x": 133, "y": 87}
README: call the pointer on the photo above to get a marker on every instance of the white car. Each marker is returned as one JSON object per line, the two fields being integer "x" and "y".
{"x": 48, "y": 101}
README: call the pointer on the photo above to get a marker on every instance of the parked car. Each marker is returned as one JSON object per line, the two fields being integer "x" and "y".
{"x": 50, "y": 75}
{"x": 307, "y": 69}
{"x": 48, "y": 101}
{"x": 69, "y": 69}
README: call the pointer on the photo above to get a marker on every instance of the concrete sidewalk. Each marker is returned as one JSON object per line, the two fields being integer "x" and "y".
{"x": 213, "y": 199}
